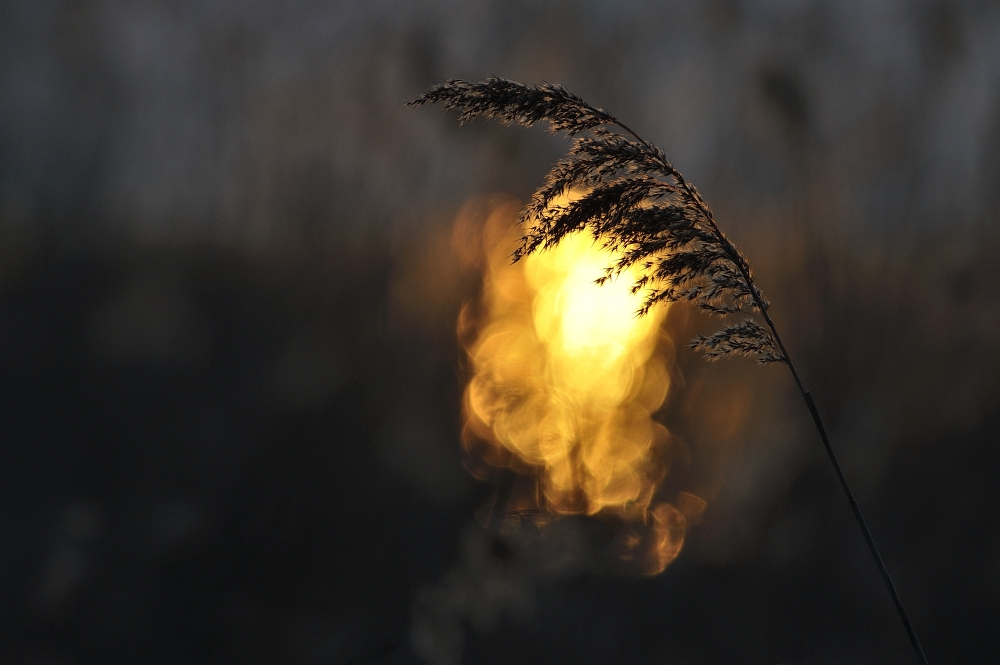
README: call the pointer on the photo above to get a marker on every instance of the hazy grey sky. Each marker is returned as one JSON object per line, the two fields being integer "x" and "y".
{"x": 263, "y": 121}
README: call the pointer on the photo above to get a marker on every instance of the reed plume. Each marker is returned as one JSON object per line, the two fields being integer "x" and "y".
{"x": 638, "y": 205}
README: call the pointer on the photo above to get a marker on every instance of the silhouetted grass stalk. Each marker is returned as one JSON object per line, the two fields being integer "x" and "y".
{"x": 638, "y": 204}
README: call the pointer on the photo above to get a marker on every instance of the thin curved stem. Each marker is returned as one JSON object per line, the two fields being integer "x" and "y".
{"x": 761, "y": 306}
{"x": 821, "y": 428}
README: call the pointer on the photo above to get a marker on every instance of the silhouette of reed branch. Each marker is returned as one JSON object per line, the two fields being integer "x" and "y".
{"x": 638, "y": 205}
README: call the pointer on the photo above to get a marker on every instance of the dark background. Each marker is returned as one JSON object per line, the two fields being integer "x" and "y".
{"x": 230, "y": 379}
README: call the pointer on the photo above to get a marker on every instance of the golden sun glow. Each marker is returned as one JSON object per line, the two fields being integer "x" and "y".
{"x": 565, "y": 377}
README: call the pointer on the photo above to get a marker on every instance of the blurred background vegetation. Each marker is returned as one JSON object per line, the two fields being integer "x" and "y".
{"x": 229, "y": 407}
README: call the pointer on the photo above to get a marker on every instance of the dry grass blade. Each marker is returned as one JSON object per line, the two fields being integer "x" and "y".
{"x": 640, "y": 205}
{"x": 636, "y": 202}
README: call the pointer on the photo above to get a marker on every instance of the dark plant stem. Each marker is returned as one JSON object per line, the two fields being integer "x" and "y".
{"x": 761, "y": 306}
{"x": 821, "y": 428}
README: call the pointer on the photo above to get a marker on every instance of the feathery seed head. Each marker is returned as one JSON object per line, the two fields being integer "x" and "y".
{"x": 636, "y": 203}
